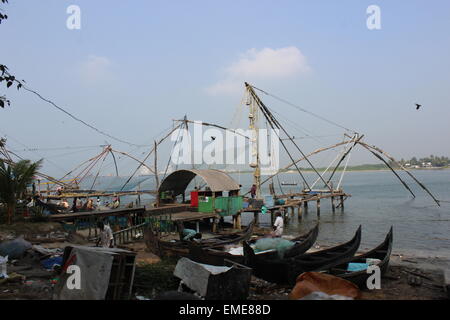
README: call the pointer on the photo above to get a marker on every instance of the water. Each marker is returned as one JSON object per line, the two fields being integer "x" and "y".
{"x": 378, "y": 201}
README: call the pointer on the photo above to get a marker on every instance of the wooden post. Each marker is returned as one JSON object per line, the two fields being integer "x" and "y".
{"x": 139, "y": 194}
{"x": 342, "y": 202}
{"x": 318, "y": 207}
{"x": 214, "y": 225}
{"x": 156, "y": 166}
{"x": 333, "y": 207}
{"x": 238, "y": 221}
{"x": 299, "y": 212}
{"x": 256, "y": 216}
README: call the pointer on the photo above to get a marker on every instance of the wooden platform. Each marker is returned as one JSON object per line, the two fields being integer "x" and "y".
{"x": 90, "y": 214}
{"x": 291, "y": 201}
{"x": 95, "y": 194}
{"x": 192, "y": 216}
{"x": 163, "y": 210}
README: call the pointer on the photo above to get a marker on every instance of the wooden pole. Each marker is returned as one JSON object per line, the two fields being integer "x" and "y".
{"x": 342, "y": 202}
{"x": 156, "y": 175}
{"x": 388, "y": 165}
{"x": 303, "y": 158}
{"x": 403, "y": 168}
{"x": 156, "y": 166}
{"x": 256, "y": 218}
{"x": 238, "y": 221}
{"x": 318, "y": 207}
{"x": 344, "y": 156}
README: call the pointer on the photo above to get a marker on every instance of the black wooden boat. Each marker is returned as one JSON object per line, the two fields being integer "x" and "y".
{"x": 216, "y": 256}
{"x": 286, "y": 270}
{"x": 181, "y": 248}
{"x": 381, "y": 252}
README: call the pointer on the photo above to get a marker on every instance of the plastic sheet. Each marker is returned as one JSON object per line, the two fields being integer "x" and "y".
{"x": 279, "y": 244}
{"x": 14, "y": 249}
{"x": 357, "y": 266}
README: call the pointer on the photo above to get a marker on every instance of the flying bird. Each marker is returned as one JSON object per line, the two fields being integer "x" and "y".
{"x": 213, "y": 138}
{"x": 418, "y": 106}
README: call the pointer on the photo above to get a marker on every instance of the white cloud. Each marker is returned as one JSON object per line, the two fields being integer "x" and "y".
{"x": 265, "y": 64}
{"x": 96, "y": 69}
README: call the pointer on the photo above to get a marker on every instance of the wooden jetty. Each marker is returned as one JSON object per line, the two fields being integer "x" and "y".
{"x": 94, "y": 194}
{"x": 134, "y": 216}
{"x": 298, "y": 201}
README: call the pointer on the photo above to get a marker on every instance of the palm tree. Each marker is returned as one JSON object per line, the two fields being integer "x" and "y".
{"x": 14, "y": 178}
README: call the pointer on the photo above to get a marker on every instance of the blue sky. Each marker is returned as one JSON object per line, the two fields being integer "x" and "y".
{"x": 133, "y": 67}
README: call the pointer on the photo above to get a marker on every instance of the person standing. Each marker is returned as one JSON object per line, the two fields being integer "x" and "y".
{"x": 278, "y": 225}
{"x": 74, "y": 205}
{"x": 106, "y": 238}
{"x": 253, "y": 191}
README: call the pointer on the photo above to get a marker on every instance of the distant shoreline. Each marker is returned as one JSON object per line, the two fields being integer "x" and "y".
{"x": 348, "y": 169}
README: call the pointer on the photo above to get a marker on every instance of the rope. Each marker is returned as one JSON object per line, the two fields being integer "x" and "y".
{"x": 76, "y": 118}
{"x": 343, "y": 172}
{"x": 304, "y": 110}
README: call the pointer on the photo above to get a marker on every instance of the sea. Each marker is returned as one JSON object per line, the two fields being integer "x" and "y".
{"x": 378, "y": 201}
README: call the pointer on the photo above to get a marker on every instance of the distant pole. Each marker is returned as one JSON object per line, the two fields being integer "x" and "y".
{"x": 156, "y": 173}
{"x": 156, "y": 166}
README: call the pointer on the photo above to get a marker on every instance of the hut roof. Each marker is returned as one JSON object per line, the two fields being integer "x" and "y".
{"x": 216, "y": 180}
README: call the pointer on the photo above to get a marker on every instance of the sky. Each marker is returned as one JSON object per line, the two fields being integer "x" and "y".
{"x": 133, "y": 67}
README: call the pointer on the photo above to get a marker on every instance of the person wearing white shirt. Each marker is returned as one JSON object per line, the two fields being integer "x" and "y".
{"x": 278, "y": 225}
{"x": 106, "y": 238}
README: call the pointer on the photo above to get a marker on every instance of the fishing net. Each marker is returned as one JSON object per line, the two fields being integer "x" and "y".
{"x": 278, "y": 244}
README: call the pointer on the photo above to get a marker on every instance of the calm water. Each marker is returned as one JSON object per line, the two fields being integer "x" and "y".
{"x": 378, "y": 201}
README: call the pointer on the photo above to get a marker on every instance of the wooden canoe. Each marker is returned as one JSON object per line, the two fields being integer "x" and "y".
{"x": 215, "y": 256}
{"x": 286, "y": 270}
{"x": 181, "y": 248}
{"x": 381, "y": 252}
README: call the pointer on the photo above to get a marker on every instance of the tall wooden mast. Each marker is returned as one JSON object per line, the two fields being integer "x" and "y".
{"x": 255, "y": 162}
